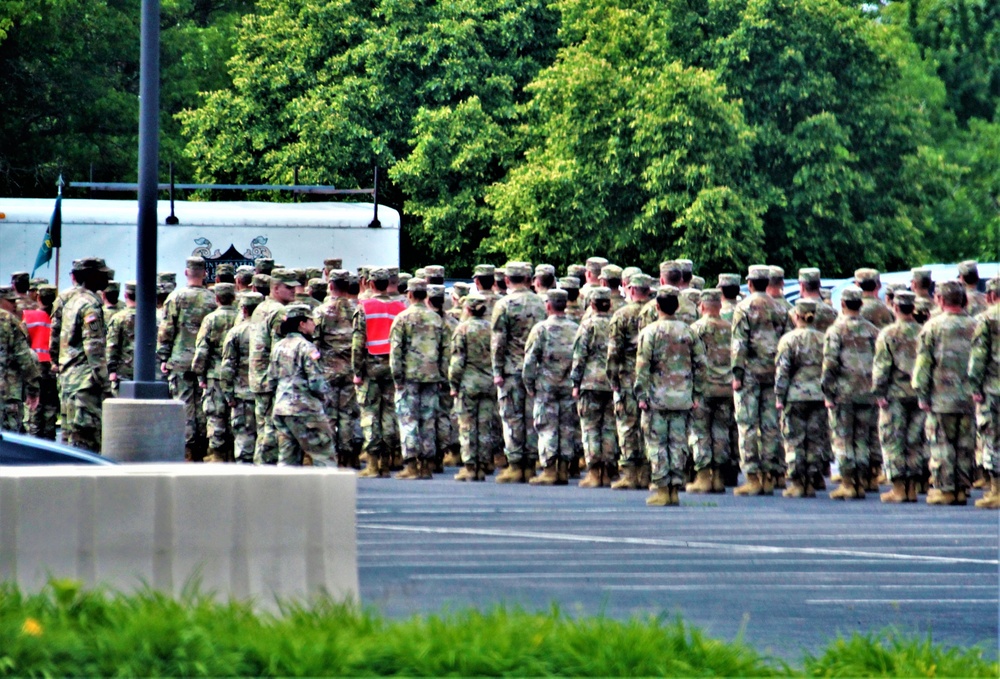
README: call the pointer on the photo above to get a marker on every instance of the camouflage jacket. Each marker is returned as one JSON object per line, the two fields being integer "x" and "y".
{"x": 977, "y": 302}
{"x": 469, "y": 370}
{"x": 686, "y": 312}
{"x": 590, "y": 353}
{"x": 758, "y": 324}
{"x": 623, "y": 343}
{"x": 307, "y": 299}
{"x": 548, "y": 356}
{"x": 207, "y": 360}
{"x": 848, "y": 354}
{"x": 984, "y": 359}
{"x": 825, "y": 317}
{"x": 235, "y": 370}
{"x": 83, "y": 344}
{"x": 514, "y": 316}
{"x": 57, "y": 313}
{"x": 300, "y": 385}
{"x": 670, "y": 366}
{"x": 895, "y": 353}
{"x": 418, "y": 346}
{"x": 121, "y": 344}
{"x": 18, "y": 365}
{"x": 798, "y": 374}
{"x": 940, "y": 374}
{"x": 876, "y": 312}
{"x": 334, "y": 328}
{"x": 183, "y": 313}
{"x": 266, "y": 320}
{"x": 617, "y": 302}
{"x": 25, "y": 303}
{"x": 574, "y": 311}
{"x": 716, "y": 336}
{"x": 112, "y": 310}
{"x": 728, "y": 310}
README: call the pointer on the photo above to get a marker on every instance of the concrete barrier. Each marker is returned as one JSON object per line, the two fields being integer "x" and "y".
{"x": 251, "y": 533}
{"x": 140, "y": 430}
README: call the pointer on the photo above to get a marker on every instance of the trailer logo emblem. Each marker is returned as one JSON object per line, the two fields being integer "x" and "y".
{"x": 258, "y": 248}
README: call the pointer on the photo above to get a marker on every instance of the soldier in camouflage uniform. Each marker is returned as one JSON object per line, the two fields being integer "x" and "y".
{"x": 984, "y": 381}
{"x": 121, "y": 341}
{"x": 712, "y": 423}
{"x": 446, "y": 424}
{"x": 514, "y": 316}
{"x": 873, "y": 309}
{"x": 809, "y": 288}
{"x": 83, "y": 361}
{"x": 166, "y": 283}
{"x": 611, "y": 278}
{"x": 417, "y": 360}
{"x": 729, "y": 284}
{"x": 548, "y": 359}
{"x": 207, "y": 365}
{"x": 303, "y": 429}
{"x": 112, "y": 302}
{"x": 671, "y": 273}
{"x": 234, "y": 376}
{"x": 330, "y": 264}
{"x": 968, "y": 273}
{"x": 334, "y": 329}
{"x": 484, "y": 280}
{"x": 62, "y": 299}
{"x": 18, "y": 366}
{"x": 799, "y": 399}
{"x": 592, "y": 391}
{"x": 458, "y": 292}
{"x": 21, "y": 282}
{"x": 669, "y": 374}
{"x": 42, "y": 420}
{"x": 921, "y": 284}
{"x": 848, "y": 355}
{"x": 758, "y": 324}
{"x": 470, "y": 375}
{"x": 544, "y": 279}
{"x": 572, "y": 287}
{"x": 776, "y": 287}
{"x": 623, "y": 343}
{"x": 923, "y": 308}
{"x": 592, "y": 278}
{"x": 940, "y": 380}
{"x": 687, "y": 274}
{"x": 901, "y": 422}
{"x": 183, "y": 313}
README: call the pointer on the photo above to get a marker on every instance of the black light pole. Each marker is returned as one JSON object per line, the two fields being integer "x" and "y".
{"x": 145, "y": 385}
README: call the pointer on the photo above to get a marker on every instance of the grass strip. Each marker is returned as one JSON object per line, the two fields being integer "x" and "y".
{"x": 68, "y": 631}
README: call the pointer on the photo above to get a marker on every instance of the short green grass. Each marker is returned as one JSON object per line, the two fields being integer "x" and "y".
{"x": 69, "y": 631}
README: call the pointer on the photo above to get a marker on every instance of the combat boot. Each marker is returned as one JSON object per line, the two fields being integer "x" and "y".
{"x": 718, "y": 483}
{"x": 530, "y": 469}
{"x": 629, "y": 480}
{"x": 675, "y": 496}
{"x": 846, "y": 490}
{"x": 751, "y": 487}
{"x": 548, "y": 477}
{"x": 452, "y": 459}
{"x": 409, "y": 471}
{"x": 609, "y": 474}
{"x": 702, "y": 482}
{"x": 384, "y": 466}
{"x": 660, "y": 497}
{"x": 991, "y": 498}
{"x": 364, "y": 458}
{"x": 961, "y": 498}
{"x": 779, "y": 481}
{"x": 767, "y": 484}
{"x": 562, "y": 472}
{"x": 860, "y": 483}
{"x": 370, "y": 471}
{"x": 512, "y": 473}
{"x": 873, "y": 479}
{"x": 896, "y": 495}
{"x": 793, "y": 489}
{"x": 911, "y": 490}
{"x": 819, "y": 481}
{"x": 810, "y": 490}
{"x": 592, "y": 479}
{"x": 499, "y": 461}
{"x": 466, "y": 473}
{"x": 937, "y": 497}
{"x": 425, "y": 469}
{"x": 645, "y": 476}
{"x": 981, "y": 480}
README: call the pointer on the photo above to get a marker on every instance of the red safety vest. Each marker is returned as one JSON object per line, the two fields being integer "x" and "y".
{"x": 39, "y": 326}
{"x": 379, "y": 315}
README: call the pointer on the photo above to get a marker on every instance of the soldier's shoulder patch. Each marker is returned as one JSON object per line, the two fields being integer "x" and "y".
{"x": 91, "y": 317}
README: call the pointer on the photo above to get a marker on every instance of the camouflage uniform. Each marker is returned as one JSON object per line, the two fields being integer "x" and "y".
{"x": 976, "y": 303}
{"x": 18, "y": 368}
{"x": 984, "y": 379}
{"x": 514, "y": 316}
{"x": 589, "y": 375}
{"x": 470, "y": 374}
{"x": 548, "y": 358}
{"x": 446, "y": 422}
{"x": 207, "y": 365}
{"x": 669, "y": 374}
{"x": 873, "y": 309}
{"x": 21, "y": 299}
{"x": 121, "y": 347}
{"x": 729, "y": 305}
{"x": 686, "y": 312}
{"x": 234, "y": 376}
{"x": 62, "y": 299}
{"x": 713, "y": 421}
{"x": 572, "y": 287}
{"x": 300, "y": 422}
{"x": 901, "y": 422}
{"x": 417, "y": 360}
{"x": 940, "y": 380}
{"x": 183, "y": 313}
{"x": 43, "y": 420}
{"x": 334, "y": 328}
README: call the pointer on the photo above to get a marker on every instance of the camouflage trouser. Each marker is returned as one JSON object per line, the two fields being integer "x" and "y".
{"x": 760, "y": 436}
{"x": 852, "y": 431}
{"x": 218, "y": 422}
{"x": 557, "y": 425}
{"x": 12, "y": 416}
{"x": 417, "y": 411}
{"x": 597, "y": 430}
{"x": 666, "y": 435}
{"x": 265, "y": 449}
{"x": 376, "y": 398}
{"x": 476, "y": 427}
{"x": 626, "y": 410}
{"x": 516, "y": 414}
{"x": 300, "y": 435}
{"x": 343, "y": 416}
{"x": 65, "y": 425}
{"x": 184, "y": 387}
{"x": 446, "y": 426}
{"x": 988, "y": 432}
{"x": 803, "y": 424}
{"x": 901, "y": 434}
{"x": 952, "y": 442}
{"x": 710, "y": 425}
{"x": 83, "y": 412}
{"x": 244, "y": 423}
{"x": 42, "y": 420}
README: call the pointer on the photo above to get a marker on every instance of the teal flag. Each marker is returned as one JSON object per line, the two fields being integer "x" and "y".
{"x": 53, "y": 237}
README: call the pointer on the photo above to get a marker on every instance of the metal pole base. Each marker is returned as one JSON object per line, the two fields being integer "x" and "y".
{"x": 144, "y": 391}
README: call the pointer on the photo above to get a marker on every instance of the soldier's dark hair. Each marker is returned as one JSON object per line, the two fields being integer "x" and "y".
{"x": 808, "y": 318}
{"x": 161, "y": 297}
{"x": 905, "y": 309}
{"x": 572, "y": 294}
{"x": 516, "y": 280}
{"x": 130, "y": 296}
{"x": 674, "y": 277}
{"x": 402, "y": 286}
{"x": 263, "y": 289}
{"x": 46, "y": 297}
{"x": 435, "y": 280}
{"x": 419, "y": 295}
{"x": 244, "y": 278}
{"x": 954, "y": 298}
{"x": 318, "y": 295}
{"x": 478, "y": 312}
{"x": 437, "y": 303}
{"x": 94, "y": 281}
{"x": 111, "y": 296}
{"x": 225, "y": 297}
{"x": 613, "y": 283}
{"x": 381, "y": 286}
{"x": 728, "y": 291}
{"x": 923, "y": 283}
{"x": 21, "y": 285}
{"x": 853, "y": 304}
{"x": 342, "y": 286}
{"x": 486, "y": 281}
{"x": 501, "y": 282}
{"x": 602, "y": 304}
{"x": 558, "y": 305}
{"x": 355, "y": 287}
{"x": 868, "y": 285}
{"x": 687, "y": 276}
{"x": 225, "y": 278}
{"x": 668, "y": 305}
{"x": 813, "y": 286}
{"x": 547, "y": 280}
{"x": 776, "y": 280}
{"x": 758, "y": 284}
{"x": 291, "y": 325}
{"x": 920, "y": 316}
{"x": 971, "y": 278}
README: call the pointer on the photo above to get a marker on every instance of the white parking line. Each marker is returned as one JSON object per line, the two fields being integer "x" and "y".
{"x": 841, "y": 602}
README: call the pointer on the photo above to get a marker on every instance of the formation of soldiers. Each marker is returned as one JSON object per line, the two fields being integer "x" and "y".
{"x": 607, "y": 373}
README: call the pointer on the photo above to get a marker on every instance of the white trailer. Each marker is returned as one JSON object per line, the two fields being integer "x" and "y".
{"x": 293, "y": 234}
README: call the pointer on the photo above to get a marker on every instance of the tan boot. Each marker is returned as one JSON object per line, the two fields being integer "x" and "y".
{"x": 767, "y": 484}
{"x": 718, "y": 483}
{"x": 751, "y": 487}
{"x": 512, "y": 473}
{"x": 937, "y": 497}
{"x": 911, "y": 490}
{"x": 499, "y": 461}
{"x": 629, "y": 480}
{"x": 896, "y": 495}
{"x": 409, "y": 471}
{"x": 793, "y": 489}
{"x": 384, "y": 466}
{"x": 860, "y": 484}
{"x": 592, "y": 479}
{"x": 675, "y": 496}
{"x": 872, "y": 484}
{"x": 836, "y": 478}
{"x": 779, "y": 481}
{"x": 991, "y": 498}
{"x": 548, "y": 477}
{"x": 659, "y": 497}
{"x": 846, "y": 490}
{"x": 609, "y": 475}
{"x": 980, "y": 479}
{"x": 645, "y": 476}
{"x": 370, "y": 471}
{"x": 452, "y": 459}
{"x": 364, "y": 457}
{"x": 810, "y": 490}
{"x": 530, "y": 470}
{"x": 702, "y": 482}
{"x": 466, "y": 473}
{"x": 961, "y": 498}
{"x": 562, "y": 472}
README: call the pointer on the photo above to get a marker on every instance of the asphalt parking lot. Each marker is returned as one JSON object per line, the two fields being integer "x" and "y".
{"x": 787, "y": 574}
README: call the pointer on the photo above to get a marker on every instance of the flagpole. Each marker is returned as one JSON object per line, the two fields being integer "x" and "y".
{"x": 59, "y": 188}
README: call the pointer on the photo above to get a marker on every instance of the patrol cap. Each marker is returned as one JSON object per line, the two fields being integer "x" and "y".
{"x": 225, "y": 268}
{"x": 435, "y": 290}
{"x": 313, "y": 272}
{"x": 759, "y": 271}
{"x": 404, "y": 277}
{"x": 7, "y": 292}
{"x": 968, "y": 267}
{"x": 775, "y": 272}
{"x": 285, "y": 276}
{"x": 333, "y": 263}
{"x": 363, "y": 271}
{"x": 249, "y": 300}
{"x": 866, "y": 275}
{"x": 474, "y": 301}
{"x": 697, "y": 282}
{"x": 460, "y": 289}
{"x": 36, "y": 283}
{"x": 611, "y": 271}
{"x": 556, "y": 295}
{"x": 595, "y": 264}
{"x": 993, "y": 285}
{"x": 576, "y": 270}
{"x": 194, "y": 263}
{"x": 130, "y": 288}
{"x": 518, "y": 269}
{"x": 297, "y": 311}
{"x": 91, "y": 264}
{"x": 691, "y": 294}
{"x": 393, "y": 271}
{"x": 687, "y": 266}
{"x": 420, "y": 273}
{"x": 630, "y": 271}
{"x": 378, "y": 273}
{"x": 600, "y": 292}
{"x": 113, "y": 286}
{"x": 641, "y": 280}
{"x": 339, "y": 275}
{"x": 905, "y": 297}
{"x": 261, "y": 280}
{"x": 805, "y": 306}
{"x": 545, "y": 269}
{"x": 921, "y": 273}
{"x": 224, "y": 289}
{"x": 809, "y": 275}
{"x": 569, "y": 283}
{"x": 245, "y": 268}
{"x": 729, "y": 279}
{"x": 300, "y": 275}
{"x": 670, "y": 266}
{"x": 666, "y": 291}
{"x": 263, "y": 265}
{"x": 950, "y": 287}
{"x": 354, "y": 279}
{"x": 317, "y": 284}
{"x": 47, "y": 291}
{"x": 434, "y": 271}
{"x": 484, "y": 270}
{"x": 416, "y": 285}
{"x": 20, "y": 277}
{"x": 711, "y": 296}
{"x": 924, "y": 304}
{"x": 851, "y": 293}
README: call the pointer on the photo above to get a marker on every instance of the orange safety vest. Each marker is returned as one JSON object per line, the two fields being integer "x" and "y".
{"x": 379, "y": 315}
{"x": 39, "y": 326}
